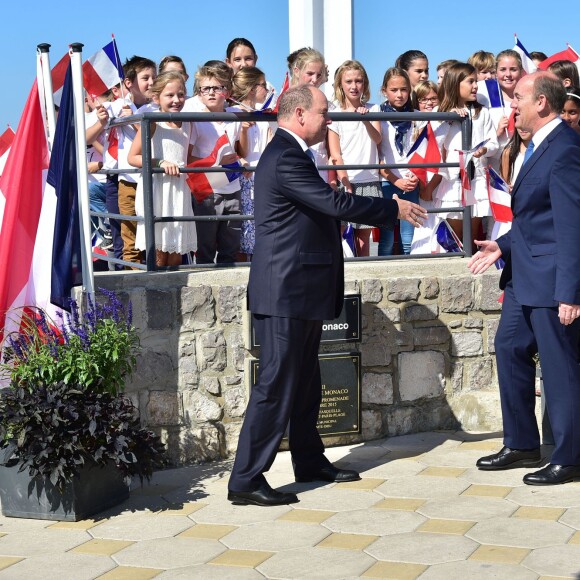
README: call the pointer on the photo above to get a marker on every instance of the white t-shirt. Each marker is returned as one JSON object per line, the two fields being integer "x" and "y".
{"x": 357, "y": 147}
{"x": 204, "y": 135}
{"x": 258, "y": 137}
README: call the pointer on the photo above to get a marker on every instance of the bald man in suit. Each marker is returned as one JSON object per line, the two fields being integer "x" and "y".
{"x": 296, "y": 282}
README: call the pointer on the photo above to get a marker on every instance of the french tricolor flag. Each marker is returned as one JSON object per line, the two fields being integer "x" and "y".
{"x": 447, "y": 238}
{"x": 285, "y": 87}
{"x": 568, "y": 54}
{"x": 500, "y": 199}
{"x": 58, "y": 73}
{"x": 489, "y": 94}
{"x": 425, "y": 150}
{"x": 103, "y": 70}
{"x": 527, "y": 62}
{"x": 203, "y": 185}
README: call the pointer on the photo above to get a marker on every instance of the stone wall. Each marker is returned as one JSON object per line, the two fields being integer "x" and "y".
{"x": 427, "y": 351}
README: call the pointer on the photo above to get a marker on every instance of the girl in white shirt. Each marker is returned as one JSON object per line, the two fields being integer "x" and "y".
{"x": 458, "y": 93}
{"x": 356, "y": 142}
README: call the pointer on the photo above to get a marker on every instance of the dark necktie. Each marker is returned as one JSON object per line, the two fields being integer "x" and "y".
{"x": 311, "y": 155}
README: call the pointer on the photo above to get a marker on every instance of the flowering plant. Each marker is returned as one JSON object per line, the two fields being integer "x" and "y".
{"x": 64, "y": 406}
{"x": 96, "y": 350}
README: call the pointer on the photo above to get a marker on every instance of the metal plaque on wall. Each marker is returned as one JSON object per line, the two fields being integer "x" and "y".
{"x": 341, "y": 392}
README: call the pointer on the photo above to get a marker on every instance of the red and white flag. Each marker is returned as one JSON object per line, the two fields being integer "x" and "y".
{"x": 203, "y": 185}
{"x": 425, "y": 150}
{"x": 58, "y": 73}
{"x": 25, "y": 243}
{"x": 285, "y": 87}
{"x": 103, "y": 70}
{"x": 5, "y": 143}
{"x": 568, "y": 54}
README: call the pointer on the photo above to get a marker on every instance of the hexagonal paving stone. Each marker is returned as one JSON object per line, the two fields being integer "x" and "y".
{"x": 571, "y": 518}
{"x": 58, "y": 566}
{"x": 509, "y": 477}
{"x": 452, "y": 458}
{"x": 45, "y": 541}
{"x": 520, "y": 532}
{"x": 319, "y": 563}
{"x": 473, "y": 570}
{"x": 467, "y": 508}
{"x": 275, "y": 536}
{"x": 565, "y": 496}
{"x": 418, "y": 441}
{"x": 211, "y": 572}
{"x": 398, "y": 468}
{"x": 221, "y": 511}
{"x": 335, "y": 499}
{"x": 141, "y": 527}
{"x": 555, "y": 561}
{"x": 423, "y": 487}
{"x": 422, "y": 548}
{"x": 169, "y": 553}
{"x": 374, "y": 522}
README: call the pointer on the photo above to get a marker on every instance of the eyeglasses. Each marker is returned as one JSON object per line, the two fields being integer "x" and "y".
{"x": 429, "y": 100}
{"x": 208, "y": 90}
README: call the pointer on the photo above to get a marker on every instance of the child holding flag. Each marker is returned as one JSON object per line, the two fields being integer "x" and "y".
{"x": 217, "y": 240}
{"x": 458, "y": 94}
{"x": 171, "y": 197}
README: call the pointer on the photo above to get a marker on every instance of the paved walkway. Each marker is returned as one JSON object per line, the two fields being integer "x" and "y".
{"x": 421, "y": 511}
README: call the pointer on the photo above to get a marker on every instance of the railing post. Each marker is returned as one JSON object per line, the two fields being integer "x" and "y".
{"x": 147, "y": 177}
{"x": 466, "y": 145}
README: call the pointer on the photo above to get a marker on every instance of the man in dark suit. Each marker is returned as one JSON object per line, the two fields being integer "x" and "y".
{"x": 541, "y": 281}
{"x": 296, "y": 282}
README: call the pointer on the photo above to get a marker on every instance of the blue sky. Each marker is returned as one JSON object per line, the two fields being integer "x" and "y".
{"x": 198, "y": 31}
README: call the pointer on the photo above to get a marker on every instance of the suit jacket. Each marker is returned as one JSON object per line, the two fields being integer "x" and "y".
{"x": 542, "y": 249}
{"x": 297, "y": 268}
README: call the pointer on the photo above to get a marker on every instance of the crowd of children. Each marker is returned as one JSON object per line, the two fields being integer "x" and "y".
{"x": 237, "y": 85}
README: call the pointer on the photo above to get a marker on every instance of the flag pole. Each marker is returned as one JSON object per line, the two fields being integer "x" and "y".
{"x": 44, "y": 77}
{"x": 82, "y": 169}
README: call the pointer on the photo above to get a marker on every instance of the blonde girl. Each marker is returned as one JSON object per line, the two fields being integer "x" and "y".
{"x": 171, "y": 196}
{"x": 458, "y": 93}
{"x": 356, "y": 142}
{"x": 249, "y": 89}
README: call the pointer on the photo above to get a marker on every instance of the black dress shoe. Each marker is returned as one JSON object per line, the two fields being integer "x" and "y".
{"x": 264, "y": 496}
{"x": 510, "y": 458}
{"x": 553, "y": 474}
{"x": 329, "y": 473}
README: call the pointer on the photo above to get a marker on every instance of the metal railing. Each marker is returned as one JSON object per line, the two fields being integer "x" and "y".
{"x": 147, "y": 171}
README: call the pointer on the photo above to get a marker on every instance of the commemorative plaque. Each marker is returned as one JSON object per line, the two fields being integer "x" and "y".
{"x": 341, "y": 388}
{"x": 345, "y": 328}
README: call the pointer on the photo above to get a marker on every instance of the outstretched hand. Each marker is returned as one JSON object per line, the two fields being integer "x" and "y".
{"x": 411, "y": 212}
{"x": 487, "y": 255}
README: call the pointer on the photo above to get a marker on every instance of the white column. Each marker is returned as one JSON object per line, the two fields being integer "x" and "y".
{"x": 325, "y": 25}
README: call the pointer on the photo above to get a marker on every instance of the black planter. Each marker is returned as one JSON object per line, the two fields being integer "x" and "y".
{"x": 97, "y": 489}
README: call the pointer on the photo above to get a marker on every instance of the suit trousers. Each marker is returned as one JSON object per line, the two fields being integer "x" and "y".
{"x": 287, "y": 394}
{"x": 523, "y": 331}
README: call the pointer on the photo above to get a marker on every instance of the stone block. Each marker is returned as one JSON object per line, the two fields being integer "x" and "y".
{"x": 473, "y": 323}
{"x": 456, "y": 294}
{"x": 197, "y": 308}
{"x": 382, "y": 316}
{"x": 377, "y": 388}
{"x": 421, "y": 375}
{"x": 230, "y": 380}
{"x": 163, "y": 409}
{"x": 456, "y": 377}
{"x": 161, "y": 309}
{"x": 400, "y": 421}
{"x": 428, "y": 335}
{"x": 236, "y": 349}
{"x": 231, "y": 302}
{"x": 199, "y": 407}
{"x": 372, "y": 291}
{"x": 415, "y": 312}
{"x": 403, "y": 289}
{"x": 488, "y": 292}
{"x": 398, "y": 337}
{"x": 201, "y": 443}
{"x": 235, "y": 402}
{"x": 210, "y": 385}
{"x": 374, "y": 350}
{"x": 454, "y": 323}
{"x": 430, "y": 288}
{"x": 212, "y": 351}
{"x": 491, "y": 325}
{"x": 480, "y": 375}
{"x": 372, "y": 424}
{"x": 466, "y": 343}
{"x": 232, "y": 434}
{"x": 153, "y": 370}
